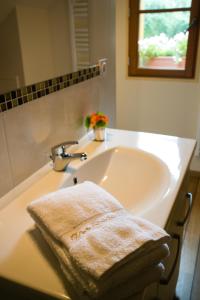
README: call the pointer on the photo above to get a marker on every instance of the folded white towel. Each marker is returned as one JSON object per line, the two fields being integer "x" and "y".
{"x": 65, "y": 209}
{"x": 94, "y": 230}
{"x": 131, "y": 288}
{"x": 104, "y": 243}
{"x": 96, "y": 287}
{"x": 72, "y": 275}
{"x": 135, "y": 284}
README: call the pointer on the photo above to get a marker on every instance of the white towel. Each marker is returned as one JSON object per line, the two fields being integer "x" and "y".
{"x": 93, "y": 228}
{"x": 132, "y": 286}
{"x": 135, "y": 284}
{"x": 104, "y": 243}
{"x": 89, "y": 286}
{"x": 65, "y": 209}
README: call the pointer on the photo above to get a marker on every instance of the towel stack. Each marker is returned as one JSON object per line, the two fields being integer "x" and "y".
{"x": 103, "y": 250}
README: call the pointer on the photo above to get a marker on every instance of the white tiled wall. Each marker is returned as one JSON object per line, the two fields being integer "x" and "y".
{"x": 5, "y": 171}
{"x": 28, "y": 132}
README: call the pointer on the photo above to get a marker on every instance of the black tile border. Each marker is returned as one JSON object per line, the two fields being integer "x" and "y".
{"x": 35, "y": 91}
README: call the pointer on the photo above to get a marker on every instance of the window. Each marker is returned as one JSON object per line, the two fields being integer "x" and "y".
{"x": 163, "y": 37}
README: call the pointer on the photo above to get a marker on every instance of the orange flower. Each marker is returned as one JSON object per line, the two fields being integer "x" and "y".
{"x": 96, "y": 120}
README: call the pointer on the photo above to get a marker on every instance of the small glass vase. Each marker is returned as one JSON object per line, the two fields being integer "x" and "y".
{"x": 99, "y": 134}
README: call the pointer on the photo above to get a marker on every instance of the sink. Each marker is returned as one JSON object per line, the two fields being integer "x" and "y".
{"x": 138, "y": 179}
{"x": 133, "y": 166}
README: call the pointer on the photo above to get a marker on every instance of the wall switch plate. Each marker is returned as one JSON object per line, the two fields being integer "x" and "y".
{"x": 102, "y": 66}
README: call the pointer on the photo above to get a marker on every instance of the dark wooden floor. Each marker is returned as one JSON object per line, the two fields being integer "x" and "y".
{"x": 188, "y": 286}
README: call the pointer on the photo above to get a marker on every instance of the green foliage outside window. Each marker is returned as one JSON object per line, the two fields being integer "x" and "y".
{"x": 168, "y": 23}
{"x": 163, "y": 46}
{"x": 164, "y": 33}
{"x": 159, "y": 4}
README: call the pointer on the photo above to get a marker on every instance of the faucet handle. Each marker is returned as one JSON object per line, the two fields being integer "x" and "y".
{"x": 60, "y": 148}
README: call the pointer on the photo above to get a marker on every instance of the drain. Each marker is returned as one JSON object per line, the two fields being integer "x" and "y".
{"x": 75, "y": 180}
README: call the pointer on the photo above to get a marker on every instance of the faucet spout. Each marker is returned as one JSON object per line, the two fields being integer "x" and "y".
{"x": 61, "y": 158}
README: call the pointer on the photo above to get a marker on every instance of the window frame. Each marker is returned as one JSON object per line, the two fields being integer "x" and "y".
{"x": 190, "y": 65}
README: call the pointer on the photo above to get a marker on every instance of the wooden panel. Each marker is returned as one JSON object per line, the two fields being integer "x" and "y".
{"x": 190, "y": 245}
{"x": 195, "y": 294}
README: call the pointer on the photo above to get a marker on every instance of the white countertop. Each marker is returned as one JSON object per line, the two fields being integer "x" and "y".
{"x": 24, "y": 256}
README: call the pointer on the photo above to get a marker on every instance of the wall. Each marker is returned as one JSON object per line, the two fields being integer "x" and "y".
{"x": 102, "y": 42}
{"x": 44, "y": 40}
{"x": 35, "y": 43}
{"x": 167, "y": 106}
{"x": 11, "y": 68}
{"x": 28, "y": 131}
{"x": 60, "y": 36}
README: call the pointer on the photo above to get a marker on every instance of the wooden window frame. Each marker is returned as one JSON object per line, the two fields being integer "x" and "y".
{"x": 189, "y": 71}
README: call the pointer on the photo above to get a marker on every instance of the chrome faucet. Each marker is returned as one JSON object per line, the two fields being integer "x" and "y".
{"x": 61, "y": 158}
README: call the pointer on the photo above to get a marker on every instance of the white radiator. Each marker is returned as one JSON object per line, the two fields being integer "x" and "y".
{"x": 80, "y": 33}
